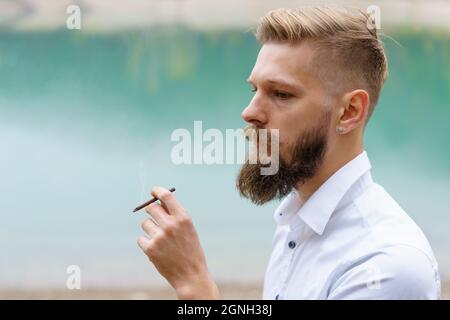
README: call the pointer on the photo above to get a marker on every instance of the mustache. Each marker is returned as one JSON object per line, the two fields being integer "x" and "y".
{"x": 253, "y": 129}
{"x": 249, "y": 129}
{"x": 264, "y": 148}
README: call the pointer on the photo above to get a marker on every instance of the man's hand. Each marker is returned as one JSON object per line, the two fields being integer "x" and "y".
{"x": 174, "y": 248}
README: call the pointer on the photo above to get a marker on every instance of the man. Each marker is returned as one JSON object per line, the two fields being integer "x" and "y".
{"x": 339, "y": 235}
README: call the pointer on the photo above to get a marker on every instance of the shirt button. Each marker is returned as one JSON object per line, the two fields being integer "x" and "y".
{"x": 292, "y": 244}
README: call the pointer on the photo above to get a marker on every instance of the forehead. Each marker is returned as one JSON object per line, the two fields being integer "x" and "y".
{"x": 284, "y": 61}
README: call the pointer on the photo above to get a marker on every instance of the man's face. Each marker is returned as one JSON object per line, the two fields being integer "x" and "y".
{"x": 288, "y": 97}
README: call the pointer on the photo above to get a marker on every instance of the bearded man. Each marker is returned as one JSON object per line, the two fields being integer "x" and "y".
{"x": 339, "y": 235}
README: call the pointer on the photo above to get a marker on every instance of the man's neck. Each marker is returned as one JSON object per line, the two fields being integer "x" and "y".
{"x": 332, "y": 162}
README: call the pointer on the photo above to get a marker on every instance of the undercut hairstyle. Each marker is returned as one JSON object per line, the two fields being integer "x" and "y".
{"x": 348, "y": 54}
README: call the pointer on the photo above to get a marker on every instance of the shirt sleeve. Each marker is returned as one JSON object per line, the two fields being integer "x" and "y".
{"x": 400, "y": 272}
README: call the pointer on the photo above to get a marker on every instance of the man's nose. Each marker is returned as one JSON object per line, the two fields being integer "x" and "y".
{"x": 254, "y": 113}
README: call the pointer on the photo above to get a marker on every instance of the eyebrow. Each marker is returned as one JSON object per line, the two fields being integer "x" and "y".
{"x": 280, "y": 82}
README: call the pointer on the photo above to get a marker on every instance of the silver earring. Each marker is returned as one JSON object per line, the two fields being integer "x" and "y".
{"x": 339, "y": 130}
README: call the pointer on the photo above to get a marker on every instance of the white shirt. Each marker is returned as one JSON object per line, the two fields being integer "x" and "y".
{"x": 349, "y": 240}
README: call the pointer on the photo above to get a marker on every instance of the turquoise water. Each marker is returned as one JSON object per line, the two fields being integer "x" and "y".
{"x": 85, "y": 125}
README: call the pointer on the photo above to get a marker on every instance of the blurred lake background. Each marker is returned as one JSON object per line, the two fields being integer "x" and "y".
{"x": 86, "y": 118}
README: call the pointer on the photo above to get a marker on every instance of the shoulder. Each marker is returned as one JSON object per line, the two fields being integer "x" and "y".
{"x": 385, "y": 224}
{"x": 396, "y": 272}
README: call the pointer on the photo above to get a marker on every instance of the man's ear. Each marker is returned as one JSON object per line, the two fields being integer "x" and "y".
{"x": 353, "y": 112}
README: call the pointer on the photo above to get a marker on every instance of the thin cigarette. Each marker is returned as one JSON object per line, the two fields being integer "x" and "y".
{"x": 149, "y": 202}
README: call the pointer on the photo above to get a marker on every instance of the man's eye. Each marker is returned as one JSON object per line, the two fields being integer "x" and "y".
{"x": 253, "y": 89}
{"x": 282, "y": 95}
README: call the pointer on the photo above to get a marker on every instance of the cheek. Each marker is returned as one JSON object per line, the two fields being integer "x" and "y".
{"x": 288, "y": 140}
{"x": 294, "y": 121}
{"x": 292, "y": 124}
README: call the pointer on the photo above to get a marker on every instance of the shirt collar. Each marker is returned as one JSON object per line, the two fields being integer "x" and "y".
{"x": 317, "y": 210}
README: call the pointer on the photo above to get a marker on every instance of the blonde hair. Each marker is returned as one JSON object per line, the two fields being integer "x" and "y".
{"x": 348, "y": 53}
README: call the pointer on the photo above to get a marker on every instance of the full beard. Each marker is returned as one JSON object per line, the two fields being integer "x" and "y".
{"x": 306, "y": 157}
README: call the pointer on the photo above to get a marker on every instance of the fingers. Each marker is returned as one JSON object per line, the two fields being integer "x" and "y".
{"x": 149, "y": 227}
{"x": 144, "y": 243}
{"x": 158, "y": 213}
{"x": 168, "y": 199}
